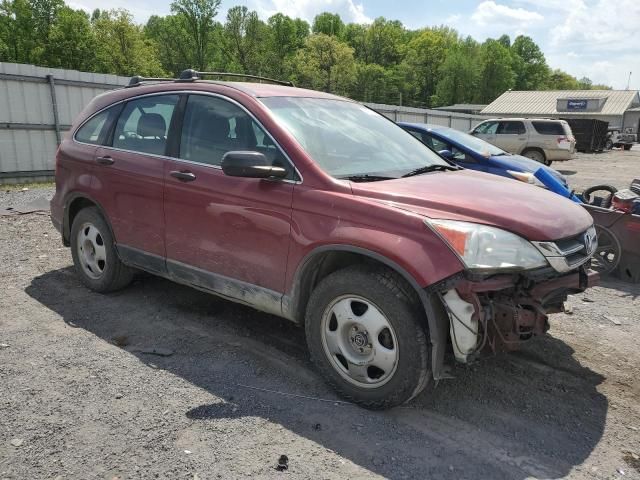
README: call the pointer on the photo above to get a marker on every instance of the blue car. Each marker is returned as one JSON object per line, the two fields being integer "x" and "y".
{"x": 476, "y": 154}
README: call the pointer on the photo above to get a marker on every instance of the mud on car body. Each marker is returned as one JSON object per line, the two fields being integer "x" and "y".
{"x": 314, "y": 208}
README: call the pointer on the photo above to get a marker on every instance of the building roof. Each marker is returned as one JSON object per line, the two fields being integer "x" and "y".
{"x": 463, "y": 107}
{"x": 545, "y": 102}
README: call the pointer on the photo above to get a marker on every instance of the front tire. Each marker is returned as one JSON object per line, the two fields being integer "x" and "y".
{"x": 94, "y": 253}
{"x": 366, "y": 333}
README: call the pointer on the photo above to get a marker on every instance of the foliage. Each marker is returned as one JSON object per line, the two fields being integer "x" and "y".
{"x": 380, "y": 62}
{"x": 325, "y": 64}
{"x": 121, "y": 47}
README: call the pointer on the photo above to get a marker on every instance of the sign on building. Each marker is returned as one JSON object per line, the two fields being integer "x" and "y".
{"x": 576, "y": 104}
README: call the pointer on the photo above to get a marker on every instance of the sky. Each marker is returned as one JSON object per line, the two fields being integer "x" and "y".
{"x": 598, "y": 39}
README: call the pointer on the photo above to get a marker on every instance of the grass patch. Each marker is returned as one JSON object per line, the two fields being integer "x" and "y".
{"x": 31, "y": 186}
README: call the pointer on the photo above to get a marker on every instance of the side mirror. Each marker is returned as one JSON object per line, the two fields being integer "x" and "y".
{"x": 446, "y": 154}
{"x": 250, "y": 165}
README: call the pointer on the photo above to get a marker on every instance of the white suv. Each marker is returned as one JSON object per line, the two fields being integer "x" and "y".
{"x": 543, "y": 140}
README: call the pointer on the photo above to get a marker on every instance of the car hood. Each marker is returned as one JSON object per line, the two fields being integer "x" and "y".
{"x": 524, "y": 164}
{"x": 527, "y": 210}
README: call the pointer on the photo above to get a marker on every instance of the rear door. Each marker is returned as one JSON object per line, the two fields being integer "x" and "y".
{"x": 228, "y": 234}
{"x": 511, "y": 136}
{"x": 130, "y": 173}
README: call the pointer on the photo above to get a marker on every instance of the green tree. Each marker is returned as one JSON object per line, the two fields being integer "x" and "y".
{"x": 559, "y": 80}
{"x": 384, "y": 41}
{"x": 377, "y": 84}
{"x": 245, "y": 40}
{"x": 325, "y": 64}
{"x": 425, "y": 55}
{"x": 196, "y": 17}
{"x": 458, "y": 78}
{"x": 283, "y": 43}
{"x": 505, "y": 41}
{"x": 302, "y": 31}
{"x": 530, "y": 66}
{"x": 17, "y": 26}
{"x": 355, "y": 35}
{"x": 71, "y": 42}
{"x": 121, "y": 47}
{"x": 328, "y": 23}
{"x": 496, "y": 74}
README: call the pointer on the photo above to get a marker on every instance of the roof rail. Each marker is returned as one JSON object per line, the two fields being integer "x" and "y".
{"x": 138, "y": 80}
{"x": 192, "y": 75}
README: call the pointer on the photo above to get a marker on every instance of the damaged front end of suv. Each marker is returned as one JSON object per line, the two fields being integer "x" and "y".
{"x": 506, "y": 292}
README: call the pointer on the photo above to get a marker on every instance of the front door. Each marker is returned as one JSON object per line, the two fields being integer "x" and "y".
{"x": 486, "y": 131}
{"x": 131, "y": 179}
{"x": 228, "y": 234}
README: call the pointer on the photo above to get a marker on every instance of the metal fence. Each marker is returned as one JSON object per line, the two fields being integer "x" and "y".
{"x": 38, "y": 105}
{"x": 460, "y": 121}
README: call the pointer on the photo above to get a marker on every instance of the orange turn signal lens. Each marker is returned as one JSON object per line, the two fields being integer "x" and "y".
{"x": 456, "y": 238}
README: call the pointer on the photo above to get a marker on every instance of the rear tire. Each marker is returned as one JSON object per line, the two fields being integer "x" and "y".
{"x": 94, "y": 253}
{"x": 627, "y": 147}
{"x": 366, "y": 334}
{"x": 537, "y": 155}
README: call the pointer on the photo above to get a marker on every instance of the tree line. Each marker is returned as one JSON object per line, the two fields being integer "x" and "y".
{"x": 382, "y": 62}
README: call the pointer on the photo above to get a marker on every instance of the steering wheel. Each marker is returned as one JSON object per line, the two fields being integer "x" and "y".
{"x": 604, "y": 202}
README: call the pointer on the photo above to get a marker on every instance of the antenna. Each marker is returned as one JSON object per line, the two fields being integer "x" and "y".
{"x": 629, "y": 80}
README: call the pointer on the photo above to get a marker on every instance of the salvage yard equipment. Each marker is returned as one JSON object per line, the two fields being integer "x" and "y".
{"x": 617, "y": 220}
{"x": 590, "y": 134}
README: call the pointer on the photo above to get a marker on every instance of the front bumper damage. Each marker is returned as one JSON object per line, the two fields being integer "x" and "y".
{"x": 500, "y": 312}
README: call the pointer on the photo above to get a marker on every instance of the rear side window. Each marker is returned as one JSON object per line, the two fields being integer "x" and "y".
{"x": 549, "y": 128}
{"x": 144, "y": 123}
{"x": 93, "y": 131}
{"x": 511, "y": 128}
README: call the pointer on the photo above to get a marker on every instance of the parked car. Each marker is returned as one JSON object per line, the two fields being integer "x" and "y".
{"x": 543, "y": 140}
{"x": 476, "y": 154}
{"x": 315, "y": 208}
{"x": 617, "y": 139}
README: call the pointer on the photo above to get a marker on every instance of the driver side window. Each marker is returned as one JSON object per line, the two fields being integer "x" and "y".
{"x": 488, "y": 128}
{"x": 213, "y": 126}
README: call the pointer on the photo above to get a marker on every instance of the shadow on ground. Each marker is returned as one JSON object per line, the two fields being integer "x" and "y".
{"x": 534, "y": 413}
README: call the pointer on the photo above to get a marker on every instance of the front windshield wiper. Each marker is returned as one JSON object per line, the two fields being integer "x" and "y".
{"x": 431, "y": 168}
{"x": 365, "y": 177}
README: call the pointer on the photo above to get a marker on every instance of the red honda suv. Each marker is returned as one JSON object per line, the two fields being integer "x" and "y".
{"x": 317, "y": 209}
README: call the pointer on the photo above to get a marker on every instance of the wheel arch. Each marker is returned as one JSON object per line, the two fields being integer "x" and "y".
{"x": 536, "y": 149}
{"x": 327, "y": 259}
{"x": 72, "y": 206}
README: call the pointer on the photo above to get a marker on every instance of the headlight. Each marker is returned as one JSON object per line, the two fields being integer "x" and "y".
{"x": 526, "y": 177}
{"x": 487, "y": 248}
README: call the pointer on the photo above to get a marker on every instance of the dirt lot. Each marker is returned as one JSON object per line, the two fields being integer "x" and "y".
{"x": 616, "y": 167}
{"x": 81, "y": 397}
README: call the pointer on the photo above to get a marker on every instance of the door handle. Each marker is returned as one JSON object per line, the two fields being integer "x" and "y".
{"x": 183, "y": 176}
{"x": 106, "y": 160}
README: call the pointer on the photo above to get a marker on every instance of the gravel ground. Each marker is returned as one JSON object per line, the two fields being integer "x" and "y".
{"x": 80, "y": 398}
{"x": 615, "y": 167}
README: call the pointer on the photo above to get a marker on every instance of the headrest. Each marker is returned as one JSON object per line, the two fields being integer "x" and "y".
{"x": 151, "y": 125}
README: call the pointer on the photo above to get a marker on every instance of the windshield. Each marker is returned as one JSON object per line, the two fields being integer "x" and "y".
{"x": 349, "y": 140}
{"x": 471, "y": 142}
